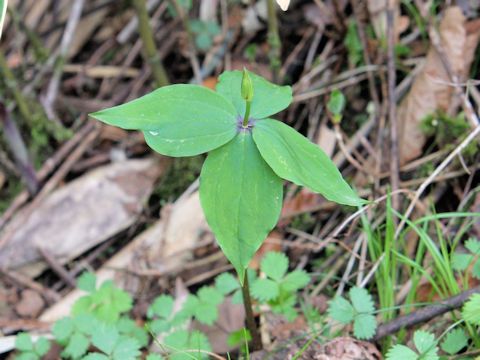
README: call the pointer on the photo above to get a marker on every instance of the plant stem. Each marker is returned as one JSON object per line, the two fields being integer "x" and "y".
{"x": 247, "y": 115}
{"x": 273, "y": 39}
{"x": 149, "y": 48}
{"x": 250, "y": 319}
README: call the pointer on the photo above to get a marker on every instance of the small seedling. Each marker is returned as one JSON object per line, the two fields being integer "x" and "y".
{"x": 360, "y": 310}
{"x": 29, "y": 349}
{"x": 461, "y": 261}
{"x": 425, "y": 345}
{"x": 204, "y": 31}
{"x": 279, "y": 288}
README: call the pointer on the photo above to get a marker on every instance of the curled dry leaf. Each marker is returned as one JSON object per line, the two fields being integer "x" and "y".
{"x": 80, "y": 215}
{"x": 432, "y": 89}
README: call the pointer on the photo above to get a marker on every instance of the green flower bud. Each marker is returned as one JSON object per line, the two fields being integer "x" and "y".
{"x": 247, "y": 86}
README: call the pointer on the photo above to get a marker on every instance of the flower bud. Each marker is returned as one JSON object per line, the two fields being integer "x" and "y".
{"x": 247, "y": 86}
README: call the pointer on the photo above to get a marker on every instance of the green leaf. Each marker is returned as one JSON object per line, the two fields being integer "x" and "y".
{"x": 23, "y": 342}
{"x": 471, "y": 310}
{"x": 265, "y": 289}
{"x": 295, "y": 158}
{"x": 426, "y": 344}
{"x": 77, "y": 346}
{"x": 62, "y": 329}
{"x": 239, "y": 337}
{"x": 476, "y": 270}
{"x": 154, "y": 357}
{"x": 87, "y": 282}
{"x": 3, "y": 10}
{"x": 341, "y": 310}
{"x": 461, "y": 261}
{"x": 162, "y": 306}
{"x": 241, "y": 197}
{"x": 274, "y": 265}
{"x": 27, "y": 356}
{"x": 206, "y": 313}
{"x": 95, "y": 356}
{"x": 42, "y": 346}
{"x": 361, "y": 300}
{"x": 226, "y": 283}
{"x": 128, "y": 327}
{"x": 210, "y": 295}
{"x": 183, "y": 340}
{"x": 364, "y": 326}
{"x": 268, "y": 98}
{"x": 454, "y": 341}
{"x": 105, "y": 338}
{"x": 295, "y": 280}
{"x": 126, "y": 348}
{"x": 401, "y": 352}
{"x": 336, "y": 103}
{"x": 473, "y": 245}
{"x": 177, "y": 120}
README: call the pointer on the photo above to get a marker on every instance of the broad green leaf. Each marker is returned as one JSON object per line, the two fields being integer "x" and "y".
{"x": 461, "y": 261}
{"x": 454, "y": 341}
{"x": 473, "y": 245}
{"x": 265, "y": 289}
{"x": 105, "y": 337}
{"x": 177, "y": 120}
{"x": 126, "y": 349}
{"x": 274, "y": 265}
{"x": 295, "y": 158}
{"x": 341, "y": 310}
{"x": 95, "y": 356}
{"x": 241, "y": 197}
{"x": 401, "y": 352}
{"x": 3, "y": 10}
{"x": 364, "y": 326}
{"x": 42, "y": 346}
{"x": 361, "y": 300}
{"x": 77, "y": 346}
{"x": 337, "y": 102}
{"x": 268, "y": 98}
{"x": 210, "y": 295}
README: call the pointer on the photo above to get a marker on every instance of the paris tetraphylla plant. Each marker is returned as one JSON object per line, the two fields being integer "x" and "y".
{"x": 249, "y": 156}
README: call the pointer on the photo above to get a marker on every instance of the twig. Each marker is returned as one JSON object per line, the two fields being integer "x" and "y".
{"x": 52, "y": 91}
{"x": 19, "y": 150}
{"x": 424, "y": 314}
{"x": 57, "y": 267}
{"x": 149, "y": 47}
{"x": 25, "y": 281}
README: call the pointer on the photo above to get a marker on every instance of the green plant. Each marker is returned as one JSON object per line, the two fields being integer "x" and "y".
{"x": 241, "y": 181}
{"x": 204, "y": 32}
{"x": 279, "y": 288}
{"x": 471, "y": 310}
{"x": 29, "y": 349}
{"x": 360, "y": 310}
{"x": 425, "y": 344}
{"x": 353, "y": 45}
{"x": 461, "y": 261}
{"x": 336, "y": 105}
{"x": 250, "y": 154}
{"x": 106, "y": 302}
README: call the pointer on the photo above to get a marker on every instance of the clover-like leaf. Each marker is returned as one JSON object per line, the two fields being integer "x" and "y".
{"x": 471, "y": 310}
{"x": 401, "y": 352}
{"x": 454, "y": 341}
{"x": 295, "y": 158}
{"x": 364, "y": 326}
{"x": 87, "y": 282}
{"x": 241, "y": 197}
{"x": 341, "y": 310}
{"x": 226, "y": 283}
{"x": 274, "y": 265}
{"x": 177, "y": 120}
{"x": 265, "y": 289}
{"x": 361, "y": 300}
{"x": 426, "y": 344}
{"x": 162, "y": 306}
{"x": 268, "y": 98}
{"x": 295, "y": 280}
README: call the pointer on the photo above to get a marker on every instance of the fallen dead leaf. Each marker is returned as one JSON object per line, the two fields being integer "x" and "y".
{"x": 431, "y": 90}
{"x": 80, "y": 215}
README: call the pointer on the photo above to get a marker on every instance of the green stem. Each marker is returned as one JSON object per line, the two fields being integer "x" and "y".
{"x": 250, "y": 319}
{"x": 273, "y": 39}
{"x": 149, "y": 47}
{"x": 247, "y": 114}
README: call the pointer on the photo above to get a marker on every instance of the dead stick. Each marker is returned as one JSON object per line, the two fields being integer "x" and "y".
{"x": 425, "y": 314}
{"x": 57, "y": 267}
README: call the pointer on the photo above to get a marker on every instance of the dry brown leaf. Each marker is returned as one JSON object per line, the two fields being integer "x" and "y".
{"x": 79, "y": 215}
{"x": 431, "y": 90}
